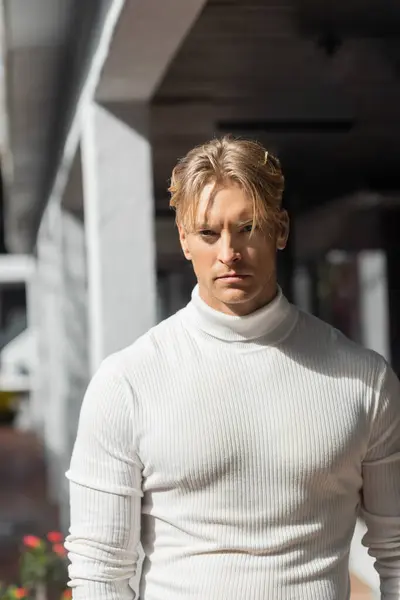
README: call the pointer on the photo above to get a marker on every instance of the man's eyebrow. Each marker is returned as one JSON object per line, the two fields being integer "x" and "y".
{"x": 203, "y": 226}
{"x": 241, "y": 223}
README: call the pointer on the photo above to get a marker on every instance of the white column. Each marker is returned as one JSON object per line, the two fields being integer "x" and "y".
{"x": 118, "y": 202}
{"x": 374, "y": 303}
{"x": 74, "y": 314}
{"x": 34, "y": 322}
{"x": 374, "y": 335}
{"x": 50, "y": 377}
{"x": 74, "y": 299}
{"x": 59, "y": 313}
{"x": 75, "y": 347}
{"x": 302, "y": 286}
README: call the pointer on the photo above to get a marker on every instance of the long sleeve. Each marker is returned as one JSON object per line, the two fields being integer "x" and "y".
{"x": 381, "y": 486}
{"x": 105, "y": 492}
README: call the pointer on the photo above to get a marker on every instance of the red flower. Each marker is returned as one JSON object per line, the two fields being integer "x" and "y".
{"x": 31, "y": 541}
{"x": 59, "y": 549}
{"x": 20, "y": 593}
{"x": 55, "y": 537}
{"x": 66, "y": 595}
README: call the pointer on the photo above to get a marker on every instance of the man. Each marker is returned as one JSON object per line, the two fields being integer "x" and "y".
{"x": 237, "y": 440}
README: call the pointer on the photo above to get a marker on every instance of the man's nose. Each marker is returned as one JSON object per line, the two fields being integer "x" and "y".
{"x": 229, "y": 251}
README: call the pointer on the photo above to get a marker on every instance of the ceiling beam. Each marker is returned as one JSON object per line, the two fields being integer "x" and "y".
{"x": 147, "y": 37}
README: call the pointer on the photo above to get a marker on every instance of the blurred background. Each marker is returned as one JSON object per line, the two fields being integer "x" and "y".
{"x": 98, "y": 100}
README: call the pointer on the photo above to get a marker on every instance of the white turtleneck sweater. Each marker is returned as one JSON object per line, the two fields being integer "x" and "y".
{"x": 236, "y": 451}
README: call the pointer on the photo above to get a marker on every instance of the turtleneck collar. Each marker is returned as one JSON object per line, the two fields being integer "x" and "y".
{"x": 271, "y": 322}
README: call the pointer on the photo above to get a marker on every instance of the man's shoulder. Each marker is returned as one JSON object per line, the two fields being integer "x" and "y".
{"x": 331, "y": 343}
{"x": 157, "y": 343}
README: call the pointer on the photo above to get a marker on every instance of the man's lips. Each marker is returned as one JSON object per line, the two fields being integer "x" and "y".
{"x": 233, "y": 276}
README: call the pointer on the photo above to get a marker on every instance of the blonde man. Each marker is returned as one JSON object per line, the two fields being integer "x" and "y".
{"x": 236, "y": 441}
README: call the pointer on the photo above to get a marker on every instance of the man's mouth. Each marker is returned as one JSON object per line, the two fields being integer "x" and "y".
{"x": 233, "y": 276}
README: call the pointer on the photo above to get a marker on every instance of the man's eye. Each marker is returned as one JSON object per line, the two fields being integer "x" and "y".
{"x": 207, "y": 233}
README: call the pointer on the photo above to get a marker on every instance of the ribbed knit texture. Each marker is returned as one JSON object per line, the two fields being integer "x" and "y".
{"x": 237, "y": 451}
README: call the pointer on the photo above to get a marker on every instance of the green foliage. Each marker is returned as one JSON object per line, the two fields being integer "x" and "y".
{"x": 43, "y": 565}
{"x": 13, "y": 592}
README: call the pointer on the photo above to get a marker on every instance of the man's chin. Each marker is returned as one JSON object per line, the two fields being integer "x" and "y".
{"x": 234, "y": 295}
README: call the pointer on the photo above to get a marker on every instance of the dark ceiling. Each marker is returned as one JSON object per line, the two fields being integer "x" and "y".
{"x": 317, "y": 82}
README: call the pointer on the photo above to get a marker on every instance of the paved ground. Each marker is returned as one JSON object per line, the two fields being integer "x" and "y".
{"x": 24, "y": 507}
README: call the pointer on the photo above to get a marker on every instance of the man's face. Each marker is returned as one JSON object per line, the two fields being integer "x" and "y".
{"x": 235, "y": 268}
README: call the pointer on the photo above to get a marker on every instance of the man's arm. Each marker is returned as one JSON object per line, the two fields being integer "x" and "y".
{"x": 105, "y": 492}
{"x": 381, "y": 486}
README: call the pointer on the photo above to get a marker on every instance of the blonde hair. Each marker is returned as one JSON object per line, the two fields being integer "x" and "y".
{"x": 223, "y": 161}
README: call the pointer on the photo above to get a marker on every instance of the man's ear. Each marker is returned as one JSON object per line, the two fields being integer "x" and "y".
{"x": 283, "y": 230}
{"x": 183, "y": 241}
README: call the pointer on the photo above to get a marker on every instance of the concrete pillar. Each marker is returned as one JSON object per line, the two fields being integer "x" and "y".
{"x": 75, "y": 298}
{"x": 393, "y": 291}
{"x": 57, "y": 310}
{"x": 374, "y": 302}
{"x": 50, "y": 376}
{"x": 390, "y": 223}
{"x": 302, "y": 288}
{"x": 75, "y": 362}
{"x": 61, "y": 322}
{"x": 305, "y": 286}
{"x": 118, "y": 204}
{"x": 34, "y": 323}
